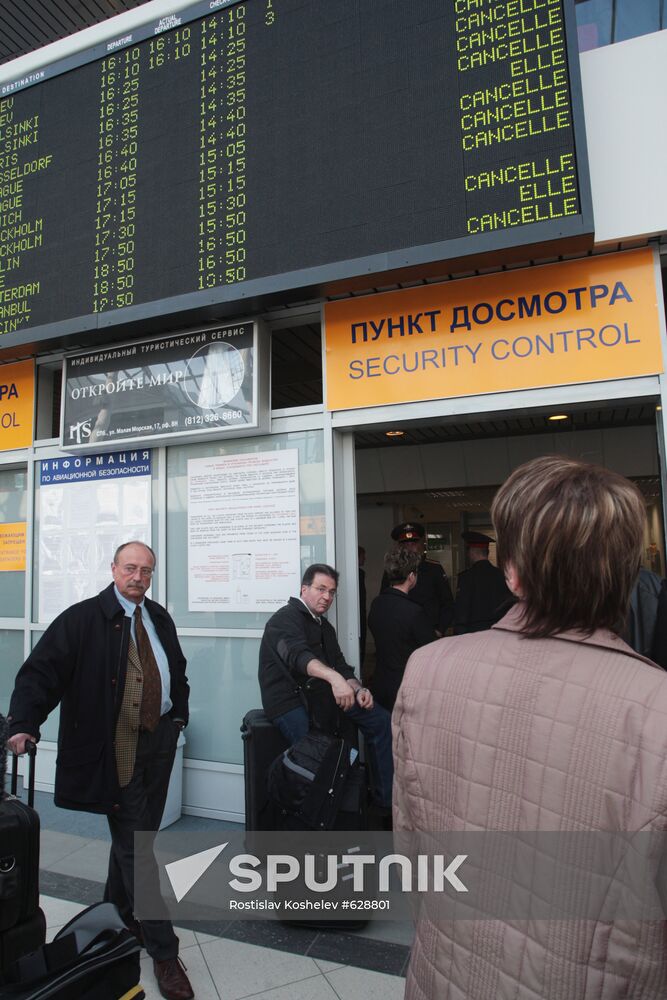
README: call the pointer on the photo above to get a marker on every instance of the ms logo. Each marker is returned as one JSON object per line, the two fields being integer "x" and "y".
{"x": 78, "y": 433}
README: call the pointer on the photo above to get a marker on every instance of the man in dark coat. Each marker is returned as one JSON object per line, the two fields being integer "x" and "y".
{"x": 398, "y": 625}
{"x": 298, "y": 644}
{"x": 646, "y": 625}
{"x": 115, "y": 666}
{"x": 432, "y": 590}
{"x": 482, "y": 596}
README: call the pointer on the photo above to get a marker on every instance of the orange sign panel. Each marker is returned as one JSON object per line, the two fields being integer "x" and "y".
{"x": 312, "y": 525}
{"x": 17, "y": 403}
{"x": 579, "y": 321}
{"x": 12, "y": 547}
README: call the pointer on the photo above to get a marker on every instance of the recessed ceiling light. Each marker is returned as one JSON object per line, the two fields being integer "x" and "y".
{"x": 658, "y": 408}
{"x": 559, "y": 416}
{"x": 394, "y": 434}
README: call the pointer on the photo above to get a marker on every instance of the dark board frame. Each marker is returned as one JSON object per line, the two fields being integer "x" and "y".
{"x": 504, "y": 246}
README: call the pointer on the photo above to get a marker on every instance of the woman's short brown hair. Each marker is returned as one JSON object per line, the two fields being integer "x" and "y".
{"x": 399, "y": 563}
{"x": 573, "y": 533}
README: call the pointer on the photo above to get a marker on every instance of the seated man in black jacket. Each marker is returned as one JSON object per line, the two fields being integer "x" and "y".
{"x": 299, "y": 643}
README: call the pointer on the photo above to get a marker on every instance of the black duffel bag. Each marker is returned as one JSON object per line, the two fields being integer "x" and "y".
{"x": 93, "y": 957}
{"x": 309, "y": 783}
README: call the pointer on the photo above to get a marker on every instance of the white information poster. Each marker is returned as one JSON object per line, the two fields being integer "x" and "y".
{"x": 243, "y": 531}
{"x": 88, "y": 506}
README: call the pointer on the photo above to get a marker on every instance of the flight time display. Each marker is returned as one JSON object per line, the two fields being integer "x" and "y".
{"x": 271, "y": 143}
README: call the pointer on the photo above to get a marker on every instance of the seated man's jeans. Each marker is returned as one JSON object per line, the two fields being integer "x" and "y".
{"x": 375, "y": 724}
{"x": 293, "y": 724}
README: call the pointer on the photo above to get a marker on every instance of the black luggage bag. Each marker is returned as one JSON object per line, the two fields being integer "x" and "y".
{"x": 262, "y": 743}
{"x": 94, "y": 957}
{"x": 318, "y": 784}
{"x": 22, "y": 922}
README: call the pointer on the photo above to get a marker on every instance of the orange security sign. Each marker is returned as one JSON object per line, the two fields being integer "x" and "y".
{"x": 17, "y": 402}
{"x": 12, "y": 547}
{"x": 579, "y": 321}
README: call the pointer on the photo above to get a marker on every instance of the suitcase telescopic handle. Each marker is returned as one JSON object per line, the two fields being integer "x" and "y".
{"x": 31, "y": 750}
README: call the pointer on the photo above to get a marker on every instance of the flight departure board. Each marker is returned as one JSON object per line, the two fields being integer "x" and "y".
{"x": 238, "y": 149}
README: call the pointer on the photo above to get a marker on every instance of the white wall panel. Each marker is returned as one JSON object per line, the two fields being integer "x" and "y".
{"x": 624, "y": 104}
{"x": 214, "y": 790}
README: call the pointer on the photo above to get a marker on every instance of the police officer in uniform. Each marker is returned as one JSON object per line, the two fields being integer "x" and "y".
{"x": 482, "y": 596}
{"x": 432, "y": 590}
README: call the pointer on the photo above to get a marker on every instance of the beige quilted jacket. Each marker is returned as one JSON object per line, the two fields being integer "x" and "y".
{"x": 493, "y": 731}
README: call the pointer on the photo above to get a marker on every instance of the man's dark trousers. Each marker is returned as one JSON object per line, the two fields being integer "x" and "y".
{"x": 141, "y": 804}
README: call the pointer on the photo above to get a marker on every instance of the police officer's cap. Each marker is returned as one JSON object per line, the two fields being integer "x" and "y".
{"x": 476, "y": 539}
{"x": 408, "y": 531}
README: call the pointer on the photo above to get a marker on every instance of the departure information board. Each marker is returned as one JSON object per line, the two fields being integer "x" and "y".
{"x": 272, "y": 145}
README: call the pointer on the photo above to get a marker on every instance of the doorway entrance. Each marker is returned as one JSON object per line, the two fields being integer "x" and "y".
{"x": 444, "y": 476}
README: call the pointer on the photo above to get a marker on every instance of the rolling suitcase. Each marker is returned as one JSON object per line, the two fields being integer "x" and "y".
{"x": 262, "y": 743}
{"x": 22, "y": 922}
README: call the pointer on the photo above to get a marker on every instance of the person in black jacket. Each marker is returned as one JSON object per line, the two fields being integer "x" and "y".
{"x": 432, "y": 590}
{"x": 115, "y": 666}
{"x": 482, "y": 596}
{"x": 299, "y": 643}
{"x": 659, "y": 644}
{"x": 646, "y": 626}
{"x": 398, "y": 625}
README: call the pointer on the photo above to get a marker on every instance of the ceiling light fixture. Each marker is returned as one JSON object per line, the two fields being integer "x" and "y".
{"x": 394, "y": 434}
{"x": 559, "y": 416}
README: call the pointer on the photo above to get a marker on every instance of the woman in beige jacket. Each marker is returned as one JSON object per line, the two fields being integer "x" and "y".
{"x": 546, "y": 722}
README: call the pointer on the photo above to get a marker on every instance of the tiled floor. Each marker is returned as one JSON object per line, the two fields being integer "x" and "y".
{"x": 245, "y": 959}
{"x": 222, "y": 969}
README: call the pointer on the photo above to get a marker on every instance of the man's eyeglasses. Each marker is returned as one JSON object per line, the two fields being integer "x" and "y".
{"x": 131, "y": 570}
{"x": 324, "y": 590}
